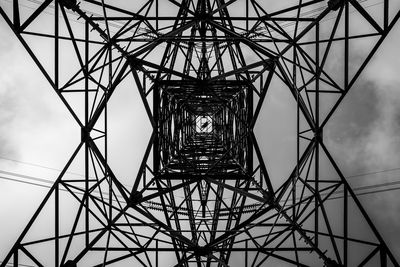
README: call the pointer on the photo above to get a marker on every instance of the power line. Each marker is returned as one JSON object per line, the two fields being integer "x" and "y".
{"x": 19, "y": 264}
{"x": 361, "y": 188}
{"x": 38, "y": 165}
{"x": 79, "y": 174}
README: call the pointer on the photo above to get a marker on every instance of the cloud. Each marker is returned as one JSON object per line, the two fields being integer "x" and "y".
{"x": 365, "y": 129}
{"x": 7, "y": 115}
{"x": 363, "y": 136}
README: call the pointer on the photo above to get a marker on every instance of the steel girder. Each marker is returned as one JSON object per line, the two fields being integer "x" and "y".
{"x": 202, "y": 195}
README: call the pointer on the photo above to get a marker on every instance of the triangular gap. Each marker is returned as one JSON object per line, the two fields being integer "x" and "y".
{"x": 327, "y": 100}
{"x": 98, "y": 10}
{"x": 139, "y": 237}
{"x": 275, "y": 31}
{"x": 71, "y": 200}
{"x": 305, "y": 108}
{"x": 69, "y": 63}
{"x": 74, "y": 77}
{"x": 394, "y": 8}
{"x": 259, "y": 177}
{"x": 306, "y": 35}
{"x": 168, "y": 9}
{"x": 327, "y": 26}
{"x": 66, "y": 210}
{"x": 325, "y": 76}
{"x": 150, "y": 223}
{"x": 241, "y": 208}
{"x": 178, "y": 63}
{"x": 257, "y": 231}
{"x": 260, "y": 258}
{"x": 271, "y": 238}
{"x": 264, "y": 8}
{"x": 127, "y": 145}
{"x": 130, "y": 29}
{"x": 119, "y": 258}
{"x": 310, "y": 259}
{"x": 326, "y": 244}
{"x": 139, "y": 230}
{"x": 43, "y": 23}
{"x": 106, "y": 73}
{"x": 99, "y": 131}
{"x": 225, "y": 57}
{"x": 99, "y": 82}
{"x": 326, "y": 51}
{"x": 279, "y": 236}
{"x": 278, "y": 142}
{"x": 261, "y": 85}
{"x": 359, "y": 24}
{"x": 23, "y": 259}
{"x": 99, "y": 205}
{"x": 99, "y": 182}
{"x": 71, "y": 20}
{"x": 124, "y": 237}
{"x": 292, "y": 31}
{"x": 287, "y": 258}
{"x": 359, "y": 50}
{"x": 305, "y": 67}
{"x": 287, "y": 64}
{"x": 114, "y": 239}
{"x": 358, "y": 224}
{"x": 165, "y": 202}
{"x": 28, "y": 8}
{"x": 307, "y": 105}
{"x": 330, "y": 221}
{"x": 333, "y": 69}
{"x": 357, "y": 253}
{"x": 306, "y": 58}
{"x": 43, "y": 49}
{"x": 9, "y": 10}
{"x": 42, "y": 252}
{"x": 95, "y": 98}
{"x": 116, "y": 66}
{"x": 155, "y": 56}
{"x": 235, "y": 9}
{"x": 44, "y": 220}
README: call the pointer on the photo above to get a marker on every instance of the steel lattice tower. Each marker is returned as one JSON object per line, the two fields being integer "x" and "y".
{"x": 202, "y": 69}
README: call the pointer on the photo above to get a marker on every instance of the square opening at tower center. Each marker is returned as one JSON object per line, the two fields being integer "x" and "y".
{"x": 203, "y": 126}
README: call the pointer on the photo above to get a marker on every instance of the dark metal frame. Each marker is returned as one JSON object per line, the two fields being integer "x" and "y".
{"x": 218, "y": 65}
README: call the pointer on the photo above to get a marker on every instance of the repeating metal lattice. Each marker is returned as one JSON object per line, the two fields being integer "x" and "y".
{"x": 202, "y": 195}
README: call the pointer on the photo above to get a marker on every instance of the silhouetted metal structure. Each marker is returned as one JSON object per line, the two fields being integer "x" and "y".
{"x": 202, "y": 195}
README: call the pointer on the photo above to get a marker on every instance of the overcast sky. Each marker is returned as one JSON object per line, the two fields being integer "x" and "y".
{"x": 36, "y": 129}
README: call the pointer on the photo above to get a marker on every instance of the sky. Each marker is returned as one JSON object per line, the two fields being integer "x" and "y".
{"x": 38, "y": 135}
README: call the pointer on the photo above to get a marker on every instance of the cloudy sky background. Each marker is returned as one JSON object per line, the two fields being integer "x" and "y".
{"x": 38, "y": 133}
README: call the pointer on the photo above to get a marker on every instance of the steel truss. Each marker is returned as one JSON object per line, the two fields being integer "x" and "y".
{"x": 202, "y": 69}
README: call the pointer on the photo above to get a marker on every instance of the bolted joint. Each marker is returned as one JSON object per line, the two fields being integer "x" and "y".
{"x": 268, "y": 197}
{"x": 85, "y": 134}
{"x": 332, "y": 263}
{"x": 135, "y": 198}
{"x": 69, "y": 263}
{"x": 69, "y": 4}
{"x": 201, "y": 251}
{"x": 335, "y": 4}
{"x": 271, "y": 63}
{"x": 318, "y": 134}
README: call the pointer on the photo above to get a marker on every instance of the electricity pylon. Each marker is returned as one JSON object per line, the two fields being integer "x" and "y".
{"x": 202, "y": 195}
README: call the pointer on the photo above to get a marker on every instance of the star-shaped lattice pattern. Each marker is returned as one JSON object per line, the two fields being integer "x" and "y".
{"x": 202, "y": 195}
